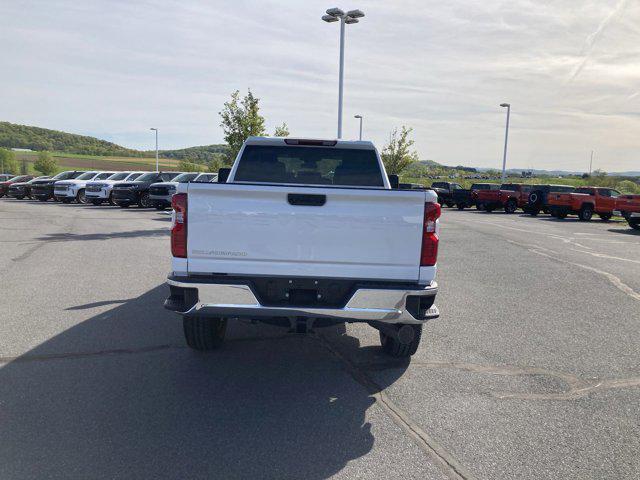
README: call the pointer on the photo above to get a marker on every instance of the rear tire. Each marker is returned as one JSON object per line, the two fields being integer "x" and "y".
{"x": 144, "y": 201}
{"x": 605, "y": 217}
{"x": 202, "y": 333}
{"x": 395, "y": 348}
{"x": 81, "y": 197}
{"x": 585, "y": 213}
{"x": 111, "y": 202}
{"x": 511, "y": 206}
{"x": 634, "y": 223}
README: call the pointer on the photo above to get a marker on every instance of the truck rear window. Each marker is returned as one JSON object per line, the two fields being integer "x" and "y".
{"x": 309, "y": 166}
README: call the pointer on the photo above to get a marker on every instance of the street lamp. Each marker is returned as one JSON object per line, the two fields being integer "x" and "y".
{"x": 360, "y": 117}
{"x": 506, "y": 137}
{"x": 156, "y": 130}
{"x": 352, "y": 16}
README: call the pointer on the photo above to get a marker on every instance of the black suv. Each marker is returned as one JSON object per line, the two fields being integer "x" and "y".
{"x": 43, "y": 189}
{"x": 136, "y": 192}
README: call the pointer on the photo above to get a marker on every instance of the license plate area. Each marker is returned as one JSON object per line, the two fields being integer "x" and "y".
{"x": 303, "y": 292}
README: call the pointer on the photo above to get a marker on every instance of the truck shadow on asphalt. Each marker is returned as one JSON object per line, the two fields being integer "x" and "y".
{"x": 120, "y": 396}
{"x": 74, "y": 237}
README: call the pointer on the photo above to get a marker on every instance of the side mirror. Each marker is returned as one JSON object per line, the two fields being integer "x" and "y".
{"x": 394, "y": 181}
{"x": 223, "y": 174}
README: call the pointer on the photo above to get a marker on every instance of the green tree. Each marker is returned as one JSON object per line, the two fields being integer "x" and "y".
{"x": 8, "y": 162}
{"x": 627, "y": 186}
{"x": 241, "y": 119}
{"x": 281, "y": 131}
{"x": 397, "y": 154}
{"x": 45, "y": 164}
{"x": 599, "y": 173}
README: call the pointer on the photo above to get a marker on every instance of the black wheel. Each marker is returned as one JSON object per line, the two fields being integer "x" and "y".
{"x": 605, "y": 217}
{"x": 461, "y": 206}
{"x": 20, "y": 197}
{"x": 479, "y": 206}
{"x": 534, "y": 212}
{"x": 560, "y": 215}
{"x": 203, "y": 333}
{"x": 511, "y": 206}
{"x": 123, "y": 205}
{"x": 144, "y": 201}
{"x": 97, "y": 203}
{"x": 634, "y": 223}
{"x": 545, "y": 210}
{"x": 81, "y": 197}
{"x": 488, "y": 209}
{"x": 408, "y": 343}
{"x": 111, "y": 202}
{"x": 585, "y": 213}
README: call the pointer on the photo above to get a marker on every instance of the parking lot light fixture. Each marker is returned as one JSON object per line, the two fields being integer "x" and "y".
{"x": 351, "y": 17}
{"x": 157, "y": 165}
{"x": 506, "y": 138}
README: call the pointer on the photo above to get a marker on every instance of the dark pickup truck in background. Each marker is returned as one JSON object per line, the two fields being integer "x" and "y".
{"x": 445, "y": 190}
{"x": 465, "y": 198}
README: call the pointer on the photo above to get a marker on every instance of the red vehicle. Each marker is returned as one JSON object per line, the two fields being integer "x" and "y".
{"x": 628, "y": 206}
{"x": 584, "y": 202}
{"x": 4, "y": 186}
{"x": 511, "y": 196}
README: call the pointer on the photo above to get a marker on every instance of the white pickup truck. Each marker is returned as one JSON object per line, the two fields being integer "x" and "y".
{"x": 302, "y": 233}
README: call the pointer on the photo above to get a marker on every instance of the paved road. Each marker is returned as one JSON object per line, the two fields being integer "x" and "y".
{"x": 532, "y": 372}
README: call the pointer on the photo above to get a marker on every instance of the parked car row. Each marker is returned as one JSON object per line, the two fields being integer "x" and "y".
{"x": 144, "y": 189}
{"x": 558, "y": 201}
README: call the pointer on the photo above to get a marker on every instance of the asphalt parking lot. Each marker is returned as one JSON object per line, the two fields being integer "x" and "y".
{"x": 532, "y": 371}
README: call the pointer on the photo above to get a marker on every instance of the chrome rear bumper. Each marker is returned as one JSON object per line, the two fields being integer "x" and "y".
{"x": 386, "y": 305}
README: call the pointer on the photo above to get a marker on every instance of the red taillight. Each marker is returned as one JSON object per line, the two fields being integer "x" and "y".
{"x": 429, "y": 254}
{"x": 179, "y": 227}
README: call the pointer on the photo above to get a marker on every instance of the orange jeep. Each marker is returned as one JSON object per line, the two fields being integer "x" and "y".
{"x": 584, "y": 202}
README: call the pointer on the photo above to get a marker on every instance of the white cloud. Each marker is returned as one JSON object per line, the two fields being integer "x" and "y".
{"x": 113, "y": 69}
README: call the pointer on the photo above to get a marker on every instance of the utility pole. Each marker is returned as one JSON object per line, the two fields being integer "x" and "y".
{"x": 591, "y": 163}
{"x": 506, "y": 138}
{"x": 157, "y": 166}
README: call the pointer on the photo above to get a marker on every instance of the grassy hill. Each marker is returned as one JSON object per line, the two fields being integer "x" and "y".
{"x": 36, "y": 138}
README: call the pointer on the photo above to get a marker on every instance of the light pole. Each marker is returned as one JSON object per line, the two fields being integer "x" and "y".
{"x": 352, "y": 16}
{"x": 156, "y": 130}
{"x": 360, "y": 117}
{"x": 506, "y": 137}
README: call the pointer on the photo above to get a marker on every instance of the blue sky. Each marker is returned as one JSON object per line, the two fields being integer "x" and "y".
{"x": 570, "y": 69}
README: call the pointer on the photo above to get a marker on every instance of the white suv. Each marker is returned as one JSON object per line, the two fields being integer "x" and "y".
{"x": 69, "y": 190}
{"x": 99, "y": 191}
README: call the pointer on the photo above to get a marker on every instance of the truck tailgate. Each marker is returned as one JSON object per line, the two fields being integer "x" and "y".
{"x": 272, "y": 230}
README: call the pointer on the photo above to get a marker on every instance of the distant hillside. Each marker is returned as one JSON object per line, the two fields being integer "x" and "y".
{"x": 36, "y": 138}
{"x": 200, "y": 154}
